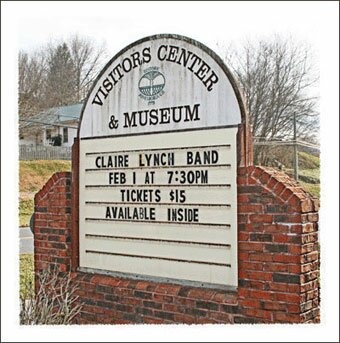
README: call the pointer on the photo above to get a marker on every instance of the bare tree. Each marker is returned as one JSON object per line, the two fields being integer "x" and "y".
{"x": 32, "y": 70}
{"x": 278, "y": 79}
{"x": 60, "y": 73}
{"x": 87, "y": 58}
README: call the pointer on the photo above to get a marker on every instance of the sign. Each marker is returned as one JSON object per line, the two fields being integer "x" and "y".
{"x": 158, "y": 163}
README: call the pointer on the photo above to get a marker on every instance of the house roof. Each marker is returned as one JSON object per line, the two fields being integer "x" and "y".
{"x": 56, "y": 115}
{"x": 66, "y": 113}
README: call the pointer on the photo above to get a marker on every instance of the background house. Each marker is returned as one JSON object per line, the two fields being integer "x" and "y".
{"x": 39, "y": 130}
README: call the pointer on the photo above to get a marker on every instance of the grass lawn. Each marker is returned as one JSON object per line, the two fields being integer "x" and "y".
{"x": 34, "y": 174}
{"x": 26, "y": 268}
{"x": 312, "y": 188}
{"x": 32, "y": 177}
{"x": 26, "y": 208}
{"x": 309, "y": 179}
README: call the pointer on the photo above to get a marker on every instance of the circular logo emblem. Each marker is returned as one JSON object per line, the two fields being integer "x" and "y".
{"x": 151, "y": 84}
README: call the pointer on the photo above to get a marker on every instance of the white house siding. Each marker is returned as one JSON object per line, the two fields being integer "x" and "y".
{"x": 72, "y": 133}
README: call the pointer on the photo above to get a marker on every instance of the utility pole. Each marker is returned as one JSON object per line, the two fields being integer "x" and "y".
{"x": 296, "y": 156}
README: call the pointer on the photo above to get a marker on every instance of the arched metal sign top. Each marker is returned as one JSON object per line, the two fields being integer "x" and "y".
{"x": 161, "y": 83}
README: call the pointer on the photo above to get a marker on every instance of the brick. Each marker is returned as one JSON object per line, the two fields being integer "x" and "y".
{"x": 259, "y": 275}
{"x": 123, "y": 308}
{"x": 184, "y": 291}
{"x": 264, "y": 178}
{"x": 286, "y": 317}
{"x": 104, "y": 304}
{"x": 250, "y": 246}
{"x": 201, "y": 293}
{"x": 275, "y": 267}
{"x": 142, "y": 285}
{"x": 257, "y": 313}
{"x": 242, "y": 198}
{"x": 309, "y": 227}
{"x": 242, "y": 218}
{"x": 222, "y": 317}
{"x": 127, "y": 292}
{"x": 261, "y": 218}
{"x": 253, "y": 284}
{"x": 310, "y": 276}
{"x": 245, "y": 320}
{"x": 110, "y": 297}
{"x": 208, "y": 305}
{"x": 167, "y": 289}
{"x": 305, "y": 306}
{"x": 103, "y": 289}
{"x": 184, "y": 318}
{"x": 185, "y": 301}
{"x": 309, "y": 238}
{"x": 173, "y": 308}
{"x": 316, "y": 204}
{"x": 250, "y": 208}
{"x": 249, "y": 189}
{"x": 286, "y": 258}
{"x": 131, "y": 301}
{"x": 225, "y": 298}
{"x": 152, "y": 320}
{"x": 163, "y": 298}
{"x": 164, "y": 315}
{"x": 248, "y": 303}
{"x": 152, "y": 304}
{"x": 40, "y": 209}
{"x": 313, "y": 217}
{"x": 310, "y": 314}
{"x": 279, "y": 188}
{"x": 243, "y": 236}
{"x": 306, "y": 205}
{"x": 276, "y": 247}
{"x": 261, "y": 257}
{"x": 275, "y": 208}
{"x": 286, "y": 194}
{"x": 312, "y": 285}
{"x": 257, "y": 172}
{"x": 131, "y": 317}
{"x": 144, "y": 311}
{"x": 259, "y": 237}
{"x": 280, "y": 238}
{"x": 229, "y": 308}
{"x": 196, "y": 312}
{"x": 261, "y": 295}
{"x": 272, "y": 183}
{"x": 310, "y": 257}
{"x": 245, "y": 265}
{"x": 271, "y": 305}
{"x": 287, "y": 297}
{"x": 143, "y": 295}
{"x": 286, "y": 278}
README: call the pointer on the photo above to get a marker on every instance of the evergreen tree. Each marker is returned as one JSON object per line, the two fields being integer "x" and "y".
{"x": 60, "y": 82}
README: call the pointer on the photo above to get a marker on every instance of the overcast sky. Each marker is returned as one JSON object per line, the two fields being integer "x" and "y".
{"x": 121, "y": 23}
{"x": 28, "y": 25}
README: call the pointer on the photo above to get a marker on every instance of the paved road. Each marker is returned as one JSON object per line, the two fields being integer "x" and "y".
{"x": 26, "y": 240}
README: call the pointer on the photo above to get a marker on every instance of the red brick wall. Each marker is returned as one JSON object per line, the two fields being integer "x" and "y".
{"x": 278, "y": 247}
{"x": 278, "y": 261}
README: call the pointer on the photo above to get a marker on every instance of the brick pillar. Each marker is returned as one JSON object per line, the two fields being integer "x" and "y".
{"x": 278, "y": 247}
{"x": 52, "y": 223}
